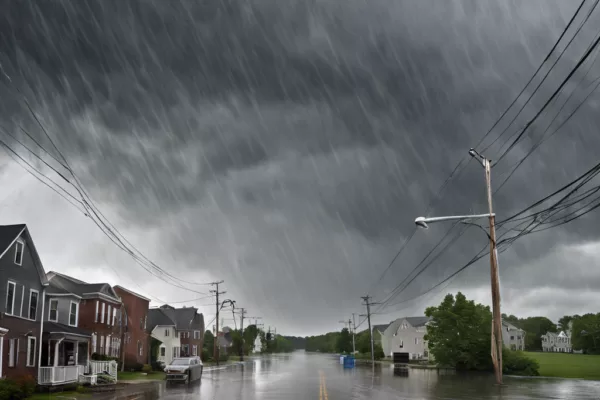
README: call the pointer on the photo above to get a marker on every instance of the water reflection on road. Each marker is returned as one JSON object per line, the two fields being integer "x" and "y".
{"x": 320, "y": 377}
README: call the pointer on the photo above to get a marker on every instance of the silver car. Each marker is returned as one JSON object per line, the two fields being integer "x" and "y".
{"x": 184, "y": 369}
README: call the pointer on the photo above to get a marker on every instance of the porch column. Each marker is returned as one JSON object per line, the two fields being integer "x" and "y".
{"x": 1, "y": 354}
{"x": 56, "y": 348}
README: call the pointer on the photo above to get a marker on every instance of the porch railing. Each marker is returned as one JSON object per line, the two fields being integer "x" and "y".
{"x": 54, "y": 375}
{"x": 100, "y": 367}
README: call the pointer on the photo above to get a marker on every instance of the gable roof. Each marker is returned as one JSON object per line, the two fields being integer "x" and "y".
{"x": 156, "y": 317}
{"x": 9, "y": 235}
{"x": 511, "y": 326}
{"x": 417, "y": 322}
{"x": 61, "y": 283}
{"x": 381, "y": 328}
{"x": 119, "y": 287}
{"x": 185, "y": 318}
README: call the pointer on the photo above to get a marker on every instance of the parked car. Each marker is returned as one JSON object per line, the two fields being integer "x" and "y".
{"x": 184, "y": 369}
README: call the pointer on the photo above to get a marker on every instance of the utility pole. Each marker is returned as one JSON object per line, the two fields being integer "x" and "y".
{"x": 369, "y": 304}
{"x": 216, "y": 340}
{"x": 497, "y": 343}
{"x": 242, "y": 316}
{"x": 353, "y": 334}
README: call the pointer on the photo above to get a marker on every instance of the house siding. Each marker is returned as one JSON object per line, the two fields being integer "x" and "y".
{"x": 64, "y": 308}
{"x": 134, "y": 327}
{"x": 167, "y": 342}
{"x": 25, "y": 277}
{"x": 404, "y": 338}
{"x": 513, "y": 337}
{"x": 87, "y": 320}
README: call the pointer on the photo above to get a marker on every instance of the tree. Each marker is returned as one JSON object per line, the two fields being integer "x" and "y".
{"x": 363, "y": 343}
{"x": 209, "y": 341}
{"x": 344, "y": 342}
{"x": 534, "y": 328}
{"x": 563, "y": 322}
{"x": 586, "y": 333}
{"x": 459, "y": 333}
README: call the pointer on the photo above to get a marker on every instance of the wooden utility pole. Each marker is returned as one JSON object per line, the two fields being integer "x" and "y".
{"x": 353, "y": 333}
{"x": 216, "y": 339}
{"x": 497, "y": 316}
{"x": 369, "y": 304}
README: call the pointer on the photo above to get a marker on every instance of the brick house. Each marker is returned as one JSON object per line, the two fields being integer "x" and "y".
{"x": 99, "y": 312}
{"x": 135, "y": 339}
{"x": 23, "y": 285}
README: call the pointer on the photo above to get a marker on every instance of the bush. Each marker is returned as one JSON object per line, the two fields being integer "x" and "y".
{"x": 157, "y": 366}
{"x": 147, "y": 368}
{"x": 134, "y": 367}
{"x": 223, "y": 357}
{"x": 10, "y": 390}
{"x": 206, "y": 355}
{"x": 517, "y": 363}
{"x": 27, "y": 385}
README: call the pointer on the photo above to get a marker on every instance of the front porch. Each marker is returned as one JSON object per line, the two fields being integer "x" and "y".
{"x": 66, "y": 357}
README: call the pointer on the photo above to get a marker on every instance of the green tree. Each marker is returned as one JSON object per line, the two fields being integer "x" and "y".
{"x": 459, "y": 333}
{"x": 563, "y": 322}
{"x": 344, "y": 342}
{"x": 209, "y": 340}
{"x": 586, "y": 333}
{"x": 534, "y": 328}
{"x": 363, "y": 343}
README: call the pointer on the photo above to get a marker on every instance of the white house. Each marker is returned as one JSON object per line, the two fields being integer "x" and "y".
{"x": 163, "y": 328}
{"x": 257, "y": 345}
{"x": 558, "y": 342}
{"x": 513, "y": 337}
{"x": 405, "y": 335}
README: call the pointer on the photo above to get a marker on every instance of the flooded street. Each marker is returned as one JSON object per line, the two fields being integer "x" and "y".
{"x": 308, "y": 376}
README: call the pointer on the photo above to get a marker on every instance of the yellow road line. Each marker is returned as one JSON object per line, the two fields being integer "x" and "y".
{"x": 320, "y": 385}
{"x": 323, "y": 395}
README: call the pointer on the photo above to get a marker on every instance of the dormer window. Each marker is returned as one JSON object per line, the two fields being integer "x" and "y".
{"x": 19, "y": 248}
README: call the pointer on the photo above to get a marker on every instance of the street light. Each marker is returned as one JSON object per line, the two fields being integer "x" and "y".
{"x": 495, "y": 281}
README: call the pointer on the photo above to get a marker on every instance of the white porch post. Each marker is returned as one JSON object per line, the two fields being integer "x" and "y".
{"x": 1, "y": 354}
{"x": 56, "y": 348}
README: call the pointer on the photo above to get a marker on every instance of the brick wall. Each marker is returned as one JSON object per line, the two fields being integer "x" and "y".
{"x": 100, "y": 323}
{"x": 135, "y": 337}
{"x": 17, "y": 328}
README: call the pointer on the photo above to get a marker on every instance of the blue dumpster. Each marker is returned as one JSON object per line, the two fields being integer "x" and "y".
{"x": 349, "y": 362}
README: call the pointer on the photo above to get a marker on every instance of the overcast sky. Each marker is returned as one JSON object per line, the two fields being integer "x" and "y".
{"x": 287, "y": 146}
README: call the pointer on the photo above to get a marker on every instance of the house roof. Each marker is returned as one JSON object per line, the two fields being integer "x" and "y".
{"x": 381, "y": 328}
{"x": 61, "y": 283}
{"x": 157, "y": 316}
{"x": 119, "y": 287}
{"x": 9, "y": 234}
{"x": 55, "y": 327}
{"x": 415, "y": 322}
{"x": 511, "y": 326}
{"x": 185, "y": 318}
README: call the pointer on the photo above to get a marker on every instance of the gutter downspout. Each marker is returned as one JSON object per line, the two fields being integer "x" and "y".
{"x": 39, "y": 346}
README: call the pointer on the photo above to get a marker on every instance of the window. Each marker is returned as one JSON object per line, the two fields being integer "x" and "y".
{"x": 185, "y": 349}
{"x": 197, "y": 335}
{"x": 94, "y": 342}
{"x": 175, "y": 352}
{"x": 141, "y": 323}
{"x": 416, "y": 340}
{"x": 20, "y": 246}
{"x": 140, "y": 348}
{"x": 96, "y": 316}
{"x": 102, "y": 315}
{"x": 176, "y": 334}
{"x": 107, "y": 345}
{"x": 401, "y": 345}
{"x": 13, "y": 345}
{"x": 108, "y": 316}
{"x": 53, "y": 310}
{"x": 162, "y": 351}
{"x": 512, "y": 338}
{"x": 114, "y": 322}
{"x": 73, "y": 313}
{"x": 145, "y": 320}
{"x": 194, "y": 350}
{"x": 10, "y": 298}
{"x": 101, "y": 350}
{"x": 31, "y": 351}
{"x": 167, "y": 332}
{"x": 33, "y": 303}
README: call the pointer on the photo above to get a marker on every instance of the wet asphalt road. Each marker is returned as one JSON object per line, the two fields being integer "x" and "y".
{"x": 319, "y": 377}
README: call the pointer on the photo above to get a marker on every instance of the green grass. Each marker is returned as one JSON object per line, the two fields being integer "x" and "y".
{"x": 59, "y": 395}
{"x": 565, "y": 365}
{"x": 136, "y": 376}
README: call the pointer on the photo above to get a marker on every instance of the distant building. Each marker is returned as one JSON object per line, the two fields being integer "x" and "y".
{"x": 406, "y": 335}
{"x": 560, "y": 342}
{"x": 513, "y": 337}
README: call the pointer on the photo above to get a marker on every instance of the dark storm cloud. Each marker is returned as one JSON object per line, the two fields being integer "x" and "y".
{"x": 315, "y": 131}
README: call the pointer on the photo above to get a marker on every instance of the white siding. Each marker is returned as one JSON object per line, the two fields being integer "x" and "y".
{"x": 168, "y": 342}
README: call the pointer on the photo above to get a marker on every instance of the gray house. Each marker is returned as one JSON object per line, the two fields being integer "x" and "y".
{"x": 65, "y": 346}
{"x": 22, "y": 292}
{"x": 513, "y": 337}
{"x": 405, "y": 335}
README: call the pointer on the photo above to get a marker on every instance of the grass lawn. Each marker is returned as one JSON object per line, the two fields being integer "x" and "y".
{"x": 565, "y": 365}
{"x": 136, "y": 376}
{"x": 59, "y": 395}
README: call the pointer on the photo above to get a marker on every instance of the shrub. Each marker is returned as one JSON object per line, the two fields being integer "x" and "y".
{"x": 134, "y": 367}
{"x": 157, "y": 366}
{"x": 205, "y": 355}
{"x": 147, "y": 368}
{"x": 517, "y": 363}
{"x": 10, "y": 390}
{"x": 27, "y": 385}
{"x": 223, "y": 357}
